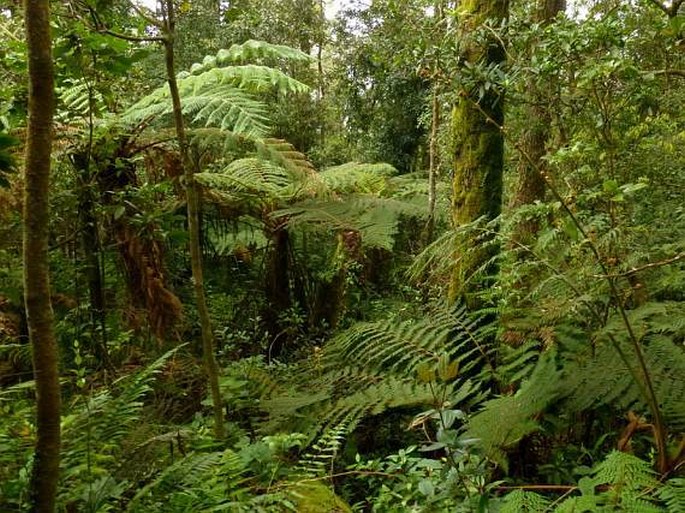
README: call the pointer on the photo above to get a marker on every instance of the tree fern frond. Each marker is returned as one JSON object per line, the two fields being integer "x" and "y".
{"x": 250, "y": 51}
{"x": 254, "y": 176}
{"x": 356, "y": 177}
{"x": 283, "y": 153}
{"x": 248, "y": 77}
{"x": 435, "y": 263}
{"x": 82, "y": 99}
{"x": 520, "y": 501}
{"x": 220, "y": 96}
{"x": 598, "y": 375}
{"x": 319, "y": 458}
{"x": 375, "y": 219}
{"x": 673, "y": 495}
{"x": 223, "y": 106}
{"x": 505, "y": 420}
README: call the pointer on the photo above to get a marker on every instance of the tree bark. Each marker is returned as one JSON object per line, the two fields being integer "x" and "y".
{"x": 45, "y": 471}
{"x": 477, "y": 119}
{"x": 192, "y": 201}
{"x": 433, "y": 141}
{"x": 433, "y": 163}
{"x": 531, "y": 184}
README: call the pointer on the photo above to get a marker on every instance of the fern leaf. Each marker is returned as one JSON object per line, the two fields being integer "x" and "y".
{"x": 250, "y": 51}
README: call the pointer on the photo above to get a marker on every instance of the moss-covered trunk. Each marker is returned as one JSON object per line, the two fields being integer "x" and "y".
{"x": 478, "y": 140}
{"x": 45, "y": 471}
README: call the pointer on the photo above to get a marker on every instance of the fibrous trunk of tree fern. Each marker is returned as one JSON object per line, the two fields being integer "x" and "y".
{"x": 277, "y": 289}
{"x": 45, "y": 471}
{"x": 477, "y": 119}
{"x": 192, "y": 201}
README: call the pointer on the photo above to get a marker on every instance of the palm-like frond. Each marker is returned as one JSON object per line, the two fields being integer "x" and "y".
{"x": 357, "y": 177}
{"x": 386, "y": 365}
{"x": 250, "y": 51}
{"x": 375, "y": 219}
{"x": 223, "y": 97}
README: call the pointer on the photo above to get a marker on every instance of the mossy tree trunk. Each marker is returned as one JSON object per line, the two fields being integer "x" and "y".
{"x": 477, "y": 119}
{"x": 531, "y": 184}
{"x": 193, "y": 201}
{"x": 45, "y": 471}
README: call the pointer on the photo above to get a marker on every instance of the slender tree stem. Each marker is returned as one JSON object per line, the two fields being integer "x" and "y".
{"x": 645, "y": 384}
{"x": 193, "y": 206}
{"x": 45, "y": 471}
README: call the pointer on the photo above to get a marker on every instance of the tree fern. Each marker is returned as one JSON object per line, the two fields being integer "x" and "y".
{"x": 251, "y": 51}
{"x": 505, "y": 420}
{"x": 222, "y": 94}
{"x": 387, "y": 365}
{"x": 621, "y": 482}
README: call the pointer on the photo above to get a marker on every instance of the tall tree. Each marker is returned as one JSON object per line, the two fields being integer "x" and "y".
{"x": 477, "y": 121}
{"x": 44, "y": 476}
{"x": 531, "y": 183}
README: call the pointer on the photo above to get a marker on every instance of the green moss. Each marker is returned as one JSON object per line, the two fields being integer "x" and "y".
{"x": 478, "y": 143}
{"x": 315, "y": 497}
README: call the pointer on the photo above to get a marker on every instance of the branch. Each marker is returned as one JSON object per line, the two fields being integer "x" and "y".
{"x": 636, "y": 270}
{"x": 101, "y": 28}
{"x": 131, "y": 38}
{"x": 543, "y": 487}
{"x": 671, "y": 11}
{"x": 146, "y": 15}
{"x": 669, "y": 72}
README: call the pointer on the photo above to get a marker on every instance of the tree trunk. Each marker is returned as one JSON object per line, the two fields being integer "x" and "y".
{"x": 192, "y": 200}
{"x": 433, "y": 163}
{"x": 479, "y": 143}
{"x": 433, "y": 141}
{"x": 531, "y": 184}
{"x": 45, "y": 471}
{"x": 92, "y": 250}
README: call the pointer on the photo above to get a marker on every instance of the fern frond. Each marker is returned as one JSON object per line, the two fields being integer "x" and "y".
{"x": 598, "y": 376}
{"x": 673, "y": 495}
{"x": 250, "y": 51}
{"x": 284, "y": 154}
{"x": 249, "y": 176}
{"x": 318, "y": 460}
{"x": 505, "y": 420}
{"x": 224, "y": 106}
{"x": 356, "y": 177}
{"x": 375, "y": 219}
{"x": 247, "y": 77}
{"x": 223, "y": 97}
{"x": 520, "y": 501}
{"x": 82, "y": 99}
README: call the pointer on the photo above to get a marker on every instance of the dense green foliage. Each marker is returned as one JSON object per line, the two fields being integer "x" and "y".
{"x": 349, "y": 380}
